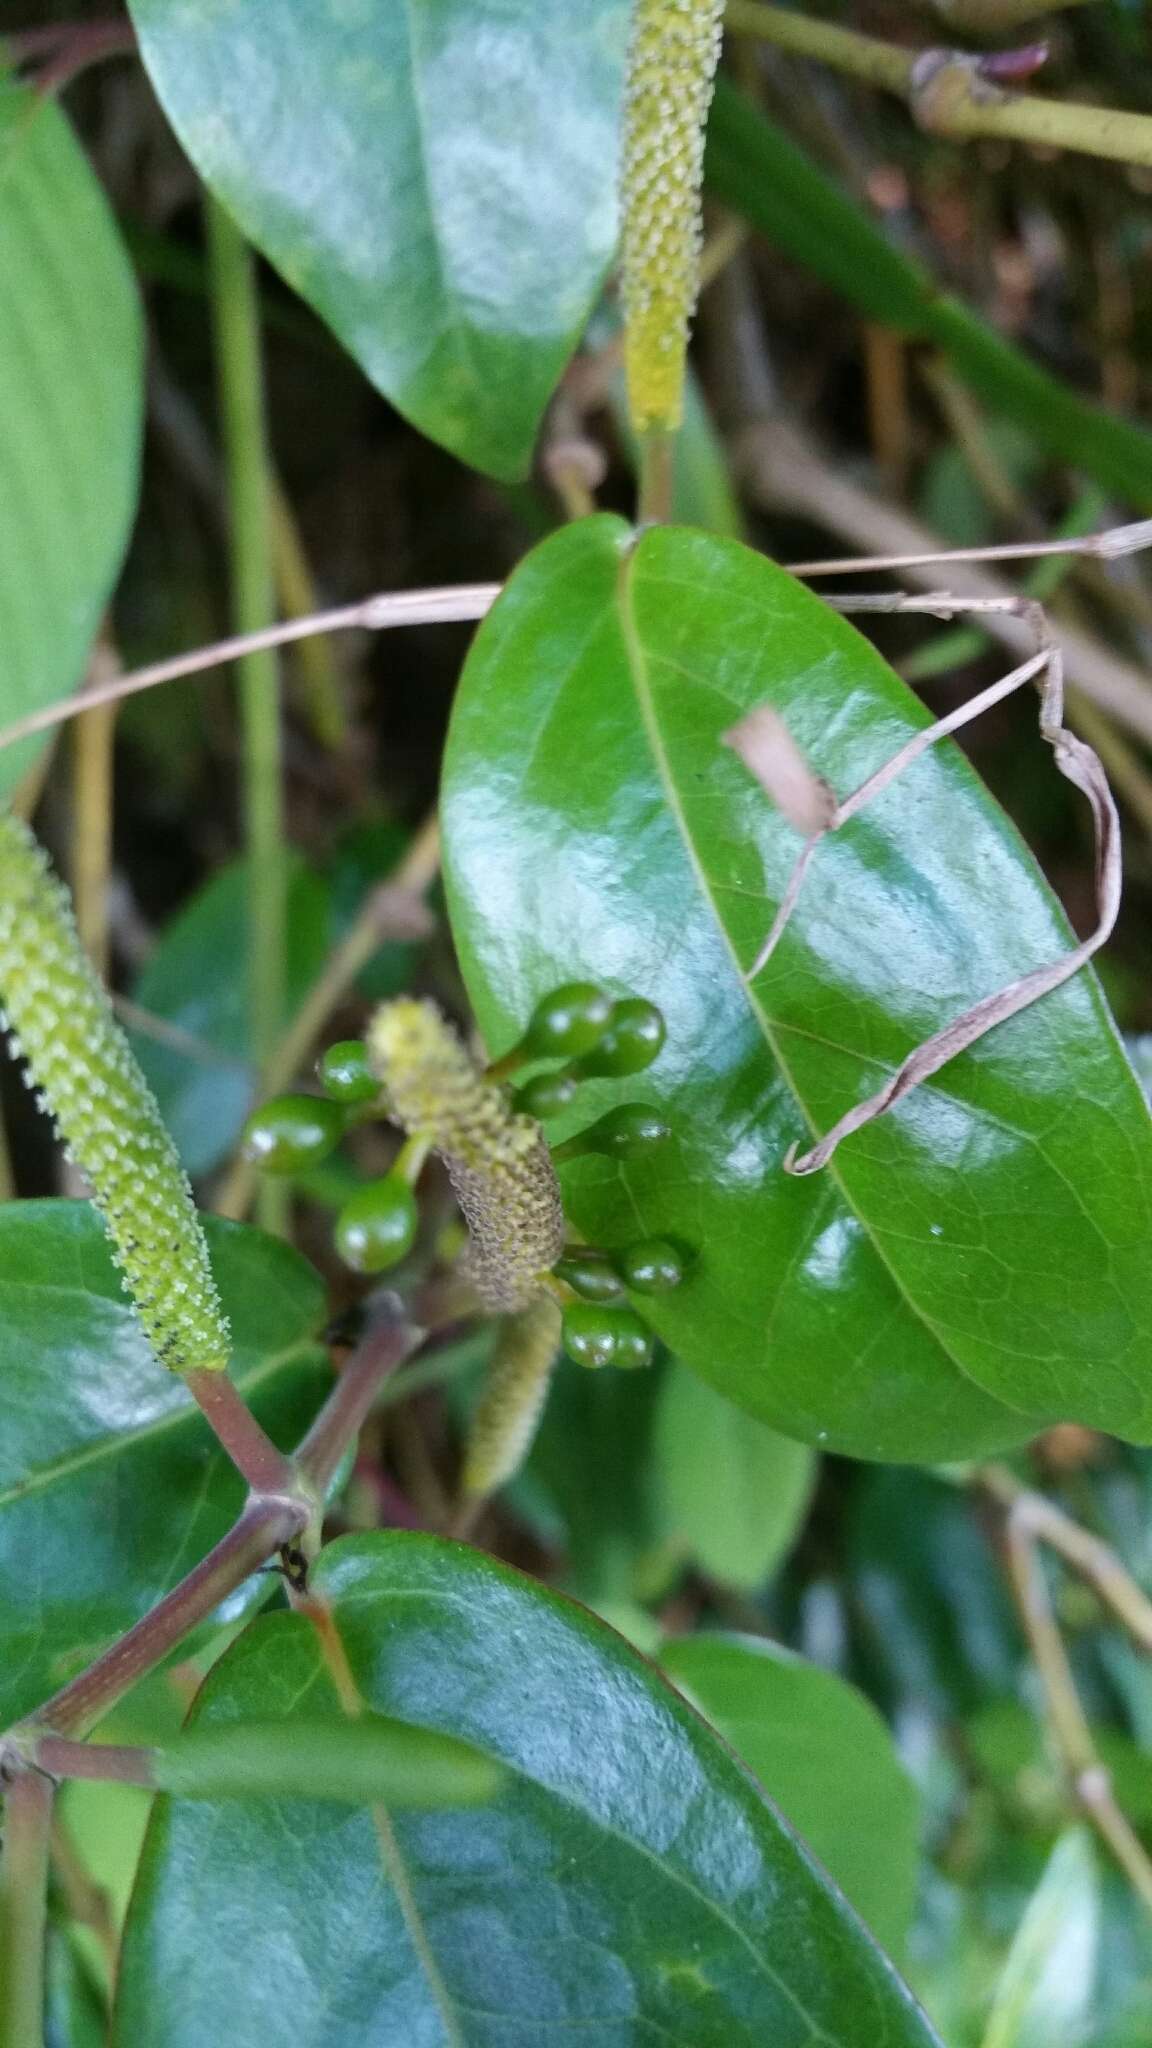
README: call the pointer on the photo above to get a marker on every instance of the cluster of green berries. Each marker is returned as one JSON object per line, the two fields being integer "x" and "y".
{"x": 595, "y": 1037}
{"x": 599, "y": 1038}
{"x": 291, "y": 1134}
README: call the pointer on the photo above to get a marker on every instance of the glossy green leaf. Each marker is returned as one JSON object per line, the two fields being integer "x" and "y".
{"x": 1045, "y": 1993}
{"x": 71, "y": 393}
{"x": 759, "y": 172}
{"x": 974, "y": 1263}
{"x": 111, "y": 1487}
{"x": 372, "y": 1758}
{"x": 821, "y": 1751}
{"x": 628, "y": 1883}
{"x": 735, "y": 1493}
{"x": 437, "y": 177}
{"x": 196, "y": 980}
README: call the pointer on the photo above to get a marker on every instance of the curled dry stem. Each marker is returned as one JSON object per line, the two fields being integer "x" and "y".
{"x": 1076, "y": 762}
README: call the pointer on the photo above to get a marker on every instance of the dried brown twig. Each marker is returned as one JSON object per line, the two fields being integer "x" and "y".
{"x": 1075, "y": 760}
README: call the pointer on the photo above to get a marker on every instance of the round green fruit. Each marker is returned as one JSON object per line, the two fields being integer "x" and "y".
{"x": 345, "y": 1074}
{"x": 590, "y": 1276}
{"x": 377, "y": 1228}
{"x": 653, "y": 1267}
{"x": 634, "y": 1037}
{"x": 568, "y": 1022}
{"x": 292, "y": 1132}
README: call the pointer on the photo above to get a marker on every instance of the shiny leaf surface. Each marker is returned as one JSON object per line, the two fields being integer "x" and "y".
{"x": 628, "y": 1883}
{"x": 821, "y": 1751}
{"x": 71, "y": 393}
{"x": 437, "y": 177}
{"x": 973, "y": 1263}
{"x": 110, "y": 1485}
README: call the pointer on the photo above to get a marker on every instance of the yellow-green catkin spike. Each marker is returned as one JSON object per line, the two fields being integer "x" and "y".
{"x": 498, "y": 1161}
{"x": 505, "y": 1422}
{"x": 82, "y": 1067}
{"x": 671, "y": 68}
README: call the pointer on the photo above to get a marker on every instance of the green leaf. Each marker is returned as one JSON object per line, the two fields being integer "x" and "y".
{"x": 969, "y": 1266}
{"x": 1045, "y": 1992}
{"x": 71, "y": 392}
{"x": 735, "y": 1494}
{"x": 437, "y": 178}
{"x": 373, "y": 1758}
{"x": 933, "y": 1610}
{"x": 822, "y": 1752}
{"x": 755, "y": 169}
{"x": 197, "y": 980}
{"x": 628, "y": 1881}
{"x": 110, "y": 1484}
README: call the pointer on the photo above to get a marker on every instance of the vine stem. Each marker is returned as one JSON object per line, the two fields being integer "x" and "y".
{"x": 236, "y": 1429}
{"x": 236, "y": 319}
{"x": 467, "y": 602}
{"x": 948, "y": 92}
{"x": 23, "y": 1908}
{"x": 1086, "y": 1772}
{"x": 263, "y": 1529}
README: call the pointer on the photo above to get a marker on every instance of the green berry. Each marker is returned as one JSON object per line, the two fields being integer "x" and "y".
{"x": 345, "y": 1074}
{"x": 568, "y": 1022}
{"x": 634, "y": 1343}
{"x": 654, "y": 1267}
{"x": 624, "y": 1133}
{"x": 376, "y": 1229}
{"x": 590, "y": 1275}
{"x": 547, "y": 1095}
{"x": 292, "y": 1132}
{"x": 589, "y": 1333}
{"x": 634, "y": 1036}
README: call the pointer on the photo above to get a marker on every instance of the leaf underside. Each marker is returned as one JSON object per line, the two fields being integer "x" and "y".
{"x": 437, "y": 180}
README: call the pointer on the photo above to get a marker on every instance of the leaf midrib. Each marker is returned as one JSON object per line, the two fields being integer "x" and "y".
{"x": 45, "y": 1476}
{"x": 638, "y": 672}
{"x": 711, "y": 1906}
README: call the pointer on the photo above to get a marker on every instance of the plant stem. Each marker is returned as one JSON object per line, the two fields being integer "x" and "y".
{"x": 1087, "y": 1775}
{"x": 264, "y": 1528}
{"x": 657, "y": 458}
{"x": 877, "y": 63}
{"x": 23, "y": 1908}
{"x": 344, "y": 1412}
{"x": 1096, "y": 1562}
{"x": 388, "y": 608}
{"x": 946, "y": 91}
{"x": 255, "y": 1456}
{"x": 92, "y": 755}
{"x": 253, "y": 602}
{"x": 319, "y": 677}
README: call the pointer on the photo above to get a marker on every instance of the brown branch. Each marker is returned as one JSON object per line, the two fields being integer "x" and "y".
{"x": 1087, "y": 1775}
{"x": 263, "y": 1529}
{"x": 23, "y": 1908}
{"x": 949, "y": 92}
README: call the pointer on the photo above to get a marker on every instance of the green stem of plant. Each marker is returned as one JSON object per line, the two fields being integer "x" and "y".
{"x": 950, "y": 97}
{"x": 657, "y": 459}
{"x": 253, "y": 589}
{"x": 23, "y": 1909}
